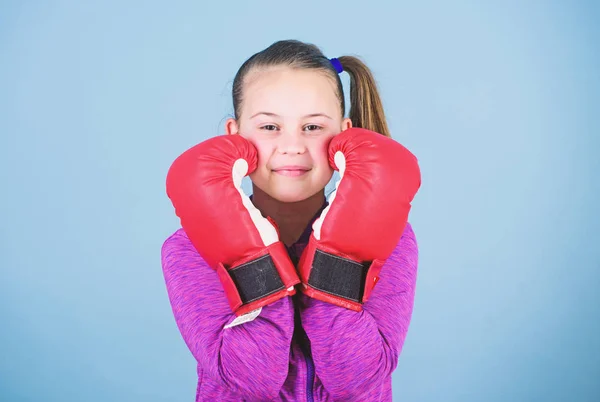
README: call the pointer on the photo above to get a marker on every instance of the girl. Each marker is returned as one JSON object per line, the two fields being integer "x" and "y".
{"x": 275, "y": 302}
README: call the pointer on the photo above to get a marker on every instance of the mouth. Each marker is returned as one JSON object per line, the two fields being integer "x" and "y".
{"x": 291, "y": 171}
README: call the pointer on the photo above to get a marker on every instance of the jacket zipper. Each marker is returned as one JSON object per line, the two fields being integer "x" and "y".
{"x": 310, "y": 377}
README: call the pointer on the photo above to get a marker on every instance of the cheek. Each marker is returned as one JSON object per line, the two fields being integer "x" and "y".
{"x": 253, "y": 138}
{"x": 320, "y": 152}
{"x": 264, "y": 152}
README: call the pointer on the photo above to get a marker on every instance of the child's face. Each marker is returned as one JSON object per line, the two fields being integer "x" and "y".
{"x": 290, "y": 116}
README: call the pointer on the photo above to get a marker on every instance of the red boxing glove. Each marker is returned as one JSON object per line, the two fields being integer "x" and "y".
{"x": 364, "y": 220}
{"x": 204, "y": 185}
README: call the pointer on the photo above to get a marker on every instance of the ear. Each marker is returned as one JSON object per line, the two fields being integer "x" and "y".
{"x": 346, "y": 124}
{"x": 231, "y": 127}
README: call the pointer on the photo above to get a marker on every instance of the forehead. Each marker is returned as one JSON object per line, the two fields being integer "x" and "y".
{"x": 288, "y": 92}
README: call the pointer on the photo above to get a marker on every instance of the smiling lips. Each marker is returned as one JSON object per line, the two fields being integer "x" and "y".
{"x": 292, "y": 170}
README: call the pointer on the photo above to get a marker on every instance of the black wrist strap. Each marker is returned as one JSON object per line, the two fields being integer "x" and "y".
{"x": 256, "y": 279}
{"x": 338, "y": 276}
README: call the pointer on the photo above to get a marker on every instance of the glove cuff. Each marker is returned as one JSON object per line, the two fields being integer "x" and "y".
{"x": 330, "y": 276}
{"x": 259, "y": 281}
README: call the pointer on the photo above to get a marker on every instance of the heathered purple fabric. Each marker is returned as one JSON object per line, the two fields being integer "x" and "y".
{"x": 351, "y": 355}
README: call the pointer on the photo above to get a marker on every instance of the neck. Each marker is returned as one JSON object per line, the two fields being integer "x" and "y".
{"x": 290, "y": 217}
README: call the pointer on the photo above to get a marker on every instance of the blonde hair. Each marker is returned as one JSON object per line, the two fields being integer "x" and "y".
{"x": 366, "y": 107}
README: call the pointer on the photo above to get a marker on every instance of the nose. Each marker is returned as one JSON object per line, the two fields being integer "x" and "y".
{"x": 291, "y": 143}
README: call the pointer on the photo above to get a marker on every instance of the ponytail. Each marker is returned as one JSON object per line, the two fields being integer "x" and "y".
{"x": 366, "y": 108}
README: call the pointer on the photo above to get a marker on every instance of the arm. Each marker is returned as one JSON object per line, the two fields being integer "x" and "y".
{"x": 354, "y": 352}
{"x": 251, "y": 358}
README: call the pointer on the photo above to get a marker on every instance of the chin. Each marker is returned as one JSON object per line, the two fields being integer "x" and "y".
{"x": 292, "y": 193}
{"x": 289, "y": 191}
{"x": 290, "y": 196}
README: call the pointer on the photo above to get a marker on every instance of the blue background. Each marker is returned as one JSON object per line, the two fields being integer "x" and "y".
{"x": 500, "y": 101}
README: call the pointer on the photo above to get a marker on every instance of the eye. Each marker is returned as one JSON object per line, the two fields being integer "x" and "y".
{"x": 269, "y": 127}
{"x": 312, "y": 127}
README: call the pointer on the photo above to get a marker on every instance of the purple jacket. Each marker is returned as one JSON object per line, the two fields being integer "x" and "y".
{"x": 297, "y": 349}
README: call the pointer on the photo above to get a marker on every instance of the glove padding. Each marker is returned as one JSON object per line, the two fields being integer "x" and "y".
{"x": 243, "y": 247}
{"x": 365, "y": 218}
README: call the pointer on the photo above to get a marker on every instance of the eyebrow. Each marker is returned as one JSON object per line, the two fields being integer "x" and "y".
{"x": 276, "y": 115}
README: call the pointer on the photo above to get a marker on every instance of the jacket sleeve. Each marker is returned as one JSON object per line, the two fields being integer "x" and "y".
{"x": 354, "y": 352}
{"x": 251, "y": 358}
